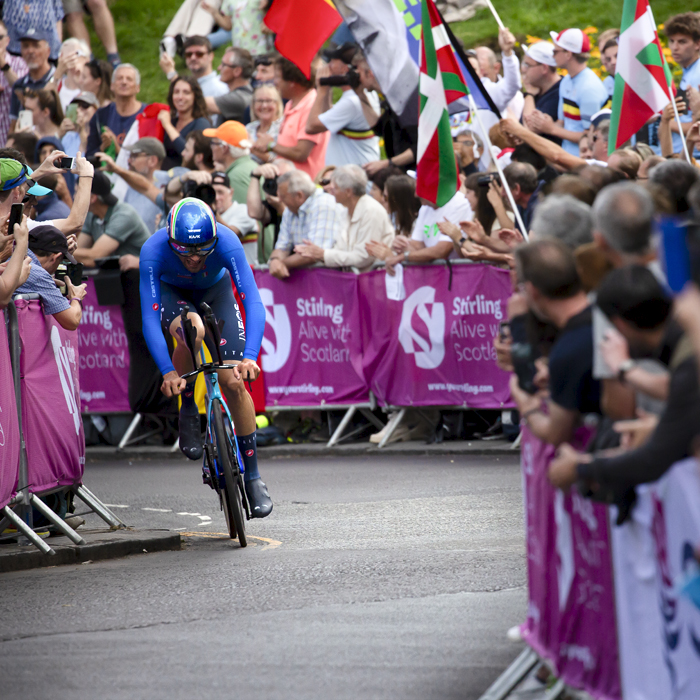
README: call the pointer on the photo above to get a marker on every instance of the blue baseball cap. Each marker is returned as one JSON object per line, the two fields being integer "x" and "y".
{"x": 35, "y": 34}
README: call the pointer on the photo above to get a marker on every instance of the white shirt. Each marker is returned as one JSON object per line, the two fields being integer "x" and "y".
{"x": 212, "y": 86}
{"x": 237, "y": 216}
{"x": 66, "y": 95}
{"x": 425, "y": 228}
{"x": 347, "y": 113}
{"x": 369, "y": 222}
{"x": 504, "y": 90}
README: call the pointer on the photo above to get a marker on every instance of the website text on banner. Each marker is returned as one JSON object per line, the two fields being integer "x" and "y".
{"x": 9, "y": 426}
{"x": 311, "y": 351}
{"x": 51, "y": 421}
{"x": 435, "y": 348}
{"x": 104, "y": 357}
{"x": 571, "y": 607}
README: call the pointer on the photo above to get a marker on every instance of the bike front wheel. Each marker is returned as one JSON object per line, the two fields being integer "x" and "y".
{"x": 228, "y": 464}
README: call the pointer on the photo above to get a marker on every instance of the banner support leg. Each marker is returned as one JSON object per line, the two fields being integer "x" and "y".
{"x": 372, "y": 418}
{"x": 98, "y": 507}
{"x": 130, "y": 431}
{"x": 56, "y": 520}
{"x": 27, "y": 531}
{"x": 342, "y": 425}
{"x": 391, "y": 426}
{"x": 505, "y": 683}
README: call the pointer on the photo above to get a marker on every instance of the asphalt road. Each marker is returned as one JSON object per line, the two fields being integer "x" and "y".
{"x": 373, "y": 578}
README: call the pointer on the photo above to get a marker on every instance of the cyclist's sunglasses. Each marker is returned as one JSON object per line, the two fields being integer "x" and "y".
{"x": 190, "y": 251}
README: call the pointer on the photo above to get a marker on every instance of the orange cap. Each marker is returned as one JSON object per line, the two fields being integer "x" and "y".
{"x": 233, "y": 133}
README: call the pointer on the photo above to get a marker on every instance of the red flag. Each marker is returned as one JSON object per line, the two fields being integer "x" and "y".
{"x": 302, "y": 27}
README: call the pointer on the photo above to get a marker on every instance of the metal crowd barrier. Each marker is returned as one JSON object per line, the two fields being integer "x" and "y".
{"x": 18, "y": 512}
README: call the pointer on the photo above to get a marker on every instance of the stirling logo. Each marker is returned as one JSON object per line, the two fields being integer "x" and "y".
{"x": 429, "y": 353}
{"x": 65, "y": 357}
{"x": 275, "y": 357}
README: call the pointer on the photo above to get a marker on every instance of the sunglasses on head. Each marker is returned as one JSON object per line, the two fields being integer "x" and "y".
{"x": 190, "y": 251}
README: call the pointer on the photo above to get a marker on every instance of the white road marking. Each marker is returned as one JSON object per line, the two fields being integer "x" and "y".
{"x": 159, "y": 510}
{"x": 115, "y": 505}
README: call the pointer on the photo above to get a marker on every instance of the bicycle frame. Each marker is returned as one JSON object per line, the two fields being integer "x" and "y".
{"x": 211, "y": 379}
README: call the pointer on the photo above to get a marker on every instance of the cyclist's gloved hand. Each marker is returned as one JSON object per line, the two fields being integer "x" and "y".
{"x": 246, "y": 370}
{"x": 172, "y": 384}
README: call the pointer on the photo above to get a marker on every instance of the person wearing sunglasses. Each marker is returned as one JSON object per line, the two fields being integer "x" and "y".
{"x": 199, "y": 59}
{"x": 192, "y": 260}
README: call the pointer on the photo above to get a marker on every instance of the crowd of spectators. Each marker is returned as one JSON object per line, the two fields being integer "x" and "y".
{"x": 318, "y": 170}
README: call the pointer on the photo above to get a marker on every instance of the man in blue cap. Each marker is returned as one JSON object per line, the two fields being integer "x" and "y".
{"x": 35, "y": 52}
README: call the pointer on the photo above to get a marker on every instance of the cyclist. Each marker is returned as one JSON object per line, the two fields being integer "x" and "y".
{"x": 190, "y": 261}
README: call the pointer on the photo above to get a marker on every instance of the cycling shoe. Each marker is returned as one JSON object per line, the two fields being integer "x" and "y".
{"x": 191, "y": 436}
{"x": 259, "y": 498}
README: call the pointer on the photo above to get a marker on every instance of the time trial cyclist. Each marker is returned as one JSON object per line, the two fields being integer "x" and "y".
{"x": 190, "y": 261}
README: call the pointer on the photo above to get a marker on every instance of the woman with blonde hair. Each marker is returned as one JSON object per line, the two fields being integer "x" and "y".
{"x": 266, "y": 116}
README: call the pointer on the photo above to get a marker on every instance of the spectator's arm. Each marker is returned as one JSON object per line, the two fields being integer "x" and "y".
{"x": 298, "y": 153}
{"x": 12, "y": 275}
{"x": 70, "y": 318}
{"x": 105, "y": 245}
{"x": 94, "y": 140}
{"x": 322, "y": 103}
{"x": 546, "y": 148}
{"x": 665, "y": 135}
{"x": 440, "y": 251}
{"x": 81, "y": 202}
{"x": 135, "y": 180}
{"x": 256, "y": 208}
{"x": 212, "y": 107}
{"x": 557, "y": 427}
{"x": 224, "y": 21}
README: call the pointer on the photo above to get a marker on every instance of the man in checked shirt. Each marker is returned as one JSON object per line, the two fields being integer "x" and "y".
{"x": 310, "y": 214}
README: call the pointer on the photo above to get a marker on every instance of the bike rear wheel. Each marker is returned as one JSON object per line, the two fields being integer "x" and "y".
{"x": 230, "y": 469}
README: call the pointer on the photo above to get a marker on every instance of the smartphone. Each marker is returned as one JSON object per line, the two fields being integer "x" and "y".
{"x": 684, "y": 94}
{"x": 25, "y": 119}
{"x": 72, "y": 112}
{"x": 503, "y": 331}
{"x": 65, "y": 163}
{"x": 16, "y": 213}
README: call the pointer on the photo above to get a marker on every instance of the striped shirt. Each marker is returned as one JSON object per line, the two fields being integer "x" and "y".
{"x": 320, "y": 219}
{"x": 41, "y": 282}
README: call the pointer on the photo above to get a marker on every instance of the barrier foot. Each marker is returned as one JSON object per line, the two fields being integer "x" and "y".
{"x": 98, "y": 507}
{"x": 56, "y": 520}
{"x": 391, "y": 426}
{"x": 556, "y": 690}
{"x": 367, "y": 413}
{"x": 516, "y": 442}
{"x": 515, "y": 673}
{"x": 138, "y": 417}
{"x": 27, "y": 531}
{"x": 176, "y": 446}
{"x": 341, "y": 427}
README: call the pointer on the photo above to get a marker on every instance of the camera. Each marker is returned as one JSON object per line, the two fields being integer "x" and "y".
{"x": 199, "y": 191}
{"x": 486, "y": 180}
{"x": 73, "y": 271}
{"x": 351, "y": 78}
{"x": 270, "y": 186}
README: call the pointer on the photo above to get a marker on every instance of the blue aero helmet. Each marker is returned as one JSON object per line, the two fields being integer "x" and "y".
{"x": 191, "y": 227}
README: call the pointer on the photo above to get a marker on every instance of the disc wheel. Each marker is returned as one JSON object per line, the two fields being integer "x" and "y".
{"x": 230, "y": 470}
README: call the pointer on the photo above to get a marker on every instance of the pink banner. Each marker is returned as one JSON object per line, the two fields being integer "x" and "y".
{"x": 312, "y": 350}
{"x": 435, "y": 348}
{"x": 571, "y": 610}
{"x": 104, "y": 358}
{"x": 51, "y": 421}
{"x": 9, "y": 426}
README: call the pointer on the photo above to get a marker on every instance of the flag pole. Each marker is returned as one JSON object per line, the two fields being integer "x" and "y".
{"x": 504, "y": 182}
{"x": 680, "y": 127}
{"x": 495, "y": 14}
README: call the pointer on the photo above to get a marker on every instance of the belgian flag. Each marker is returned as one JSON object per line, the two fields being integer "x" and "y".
{"x": 302, "y": 27}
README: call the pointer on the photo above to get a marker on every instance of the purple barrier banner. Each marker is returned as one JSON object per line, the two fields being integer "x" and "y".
{"x": 675, "y": 529}
{"x": 104, "y": 358}
{"x": 9, "y": 425}
{"x": 312, "y": 350}
{"x": 435, "y": 348}
{"x": 571, "y": 609}
{"x": 51, "y": 421}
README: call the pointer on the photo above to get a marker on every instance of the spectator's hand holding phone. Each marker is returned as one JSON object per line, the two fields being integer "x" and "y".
{"x": 83, "y": 167}
{"x": 21, "y": 232}
{"x": 166, "y": 62}
{"x": 48, "y": 167}
{"x": 26, "y": 269}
